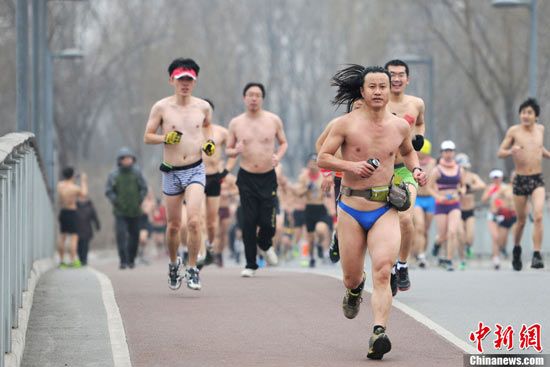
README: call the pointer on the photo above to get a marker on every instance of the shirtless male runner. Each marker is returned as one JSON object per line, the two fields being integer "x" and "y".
{"x": 524, "y": 143}
{"x": 317, "y": 218}
{"x": 252, "y": 135}
{"x": 68, "y": 192}
{"x": 186, "y": 132}
{"x": 473, "y": 183}
{"x": 214, "y": 178}
{"x": 369, "y": 138}
{"x": 411, "y": 109}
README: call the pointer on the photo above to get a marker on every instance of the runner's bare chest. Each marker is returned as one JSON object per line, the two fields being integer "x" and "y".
{"x": 188, "y": 119}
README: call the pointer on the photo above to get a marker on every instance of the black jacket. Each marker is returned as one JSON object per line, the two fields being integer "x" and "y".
{"x": 86, "y": 215}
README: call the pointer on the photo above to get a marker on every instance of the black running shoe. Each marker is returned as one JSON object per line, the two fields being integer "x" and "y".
{"x": 311, "y": 263}
{"x": 174, "y": 279}
{"x": 334, "y": 251}
{"x": 208, "y": 257}
{"x": 393, "y": 281}
{"x": 193, "y": 281}
{"x": 435, "y": 250}
{"x": 537, "y": 262}
{"x": 403, "y": 281}
{"x": 516, "y": 258}
{"x": 352, "y": 301}
{"x": 379, "y": 344}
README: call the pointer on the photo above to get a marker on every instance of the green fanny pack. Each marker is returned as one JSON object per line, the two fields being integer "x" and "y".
{"x": 377, "y": 193}
{"x": 397, "y": 194}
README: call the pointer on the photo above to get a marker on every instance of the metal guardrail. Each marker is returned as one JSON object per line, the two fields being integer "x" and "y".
{"x": 26, "y": 226}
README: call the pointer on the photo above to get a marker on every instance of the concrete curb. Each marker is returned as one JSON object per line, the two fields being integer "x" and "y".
{"x": 14, "y": 358}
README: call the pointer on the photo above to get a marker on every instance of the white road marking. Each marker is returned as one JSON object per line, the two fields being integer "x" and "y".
{"x": 119, "y": 347}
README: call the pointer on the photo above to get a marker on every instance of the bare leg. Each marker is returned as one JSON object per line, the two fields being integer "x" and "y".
{"x": 212, "y": 218}
{"x": 73, "y": 238}
{"x": 353, "y": 246}
{"x": 419, "y": 231}
{"x": 407, "y": 228}
{"x": 61, "y": 247}
{"x": 520, "y": 203}
{"x": 453, "y": 223}
{"x": 537, "y": 198}
{"x": 173, "y": 227}
{"x": 194, "y": 197}
{"x": 383, "y": 246}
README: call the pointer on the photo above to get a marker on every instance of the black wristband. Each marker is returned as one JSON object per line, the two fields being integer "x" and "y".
{"x": 417, "y": 168}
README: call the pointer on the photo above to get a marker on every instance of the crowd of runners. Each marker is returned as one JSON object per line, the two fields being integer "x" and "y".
{"x": 371, "y": 171}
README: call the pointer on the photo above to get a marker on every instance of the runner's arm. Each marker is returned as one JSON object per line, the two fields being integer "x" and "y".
{"x": 505, "y": 149}
{"x": 281, "y": 139}
{"x": 155, "y": 119}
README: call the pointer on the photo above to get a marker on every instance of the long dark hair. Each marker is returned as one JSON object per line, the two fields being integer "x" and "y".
{"x": 349, "y": 82}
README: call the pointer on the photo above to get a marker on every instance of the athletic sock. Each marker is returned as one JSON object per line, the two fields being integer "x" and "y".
{"x": 401, "y": 265}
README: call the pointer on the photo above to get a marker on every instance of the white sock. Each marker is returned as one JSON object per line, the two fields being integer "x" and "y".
{"x": 401, "y": 265}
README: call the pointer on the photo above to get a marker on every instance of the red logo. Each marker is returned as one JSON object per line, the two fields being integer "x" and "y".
{"x": 528, "y": 337}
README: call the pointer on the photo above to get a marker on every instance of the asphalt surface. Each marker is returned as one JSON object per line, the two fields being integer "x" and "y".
{"x": 68, "y": 322}
{"x": 276, "y": 319}
{"x": 286, "y": 316}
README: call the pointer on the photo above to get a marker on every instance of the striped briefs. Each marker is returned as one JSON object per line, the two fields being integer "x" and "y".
{"x": 177, "y": 179}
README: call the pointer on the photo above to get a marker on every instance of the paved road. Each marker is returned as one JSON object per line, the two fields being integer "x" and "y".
{"x": 284, "y": 317}
{"x": 276, "y": 319}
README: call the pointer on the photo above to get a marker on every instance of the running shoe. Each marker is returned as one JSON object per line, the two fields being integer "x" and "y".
{"x": 62, "y": 265}
{"x": 449, "y": 266}
{"x": 334, "y": 251}
{"x": 75, "y": 264}
{"x": 174, "y": 279}
{"x": 311, "y": 263}
{"x": 206, "y": 260}
{"x": 537, "y": 262}
{"x": 193, "y": 281}
{"x": 352, "y": 301}
{"x": 469, "y": 252}
{"x": 403, "y": 281}
{"x": 462, "y": 265}
{"x": 516, "y": 258}
{"x": 435, "y": 250}
{"x": 393, "y": 281}
{"x": 248, "y": 273}
{"x": 379, "y": 344}
{"x": 270, "y": 256}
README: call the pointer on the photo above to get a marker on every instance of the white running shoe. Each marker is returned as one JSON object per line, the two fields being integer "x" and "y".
{"x": 270, "y": 256}
{"x": 248, "y": 273}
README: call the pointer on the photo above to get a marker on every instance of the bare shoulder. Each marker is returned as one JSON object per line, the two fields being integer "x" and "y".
{"x": 200, "y": 103}
{"x": 160, "y": 104}
{"x": 400, "y": 123}
{"x": 512, "y": 130}
{"x": 341, "y": 123}
{"x": 540, "y": 127}
{"x": 415, "y": 101}
{"x": 273, "y": 117}
{"x": 235, "y": 121}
